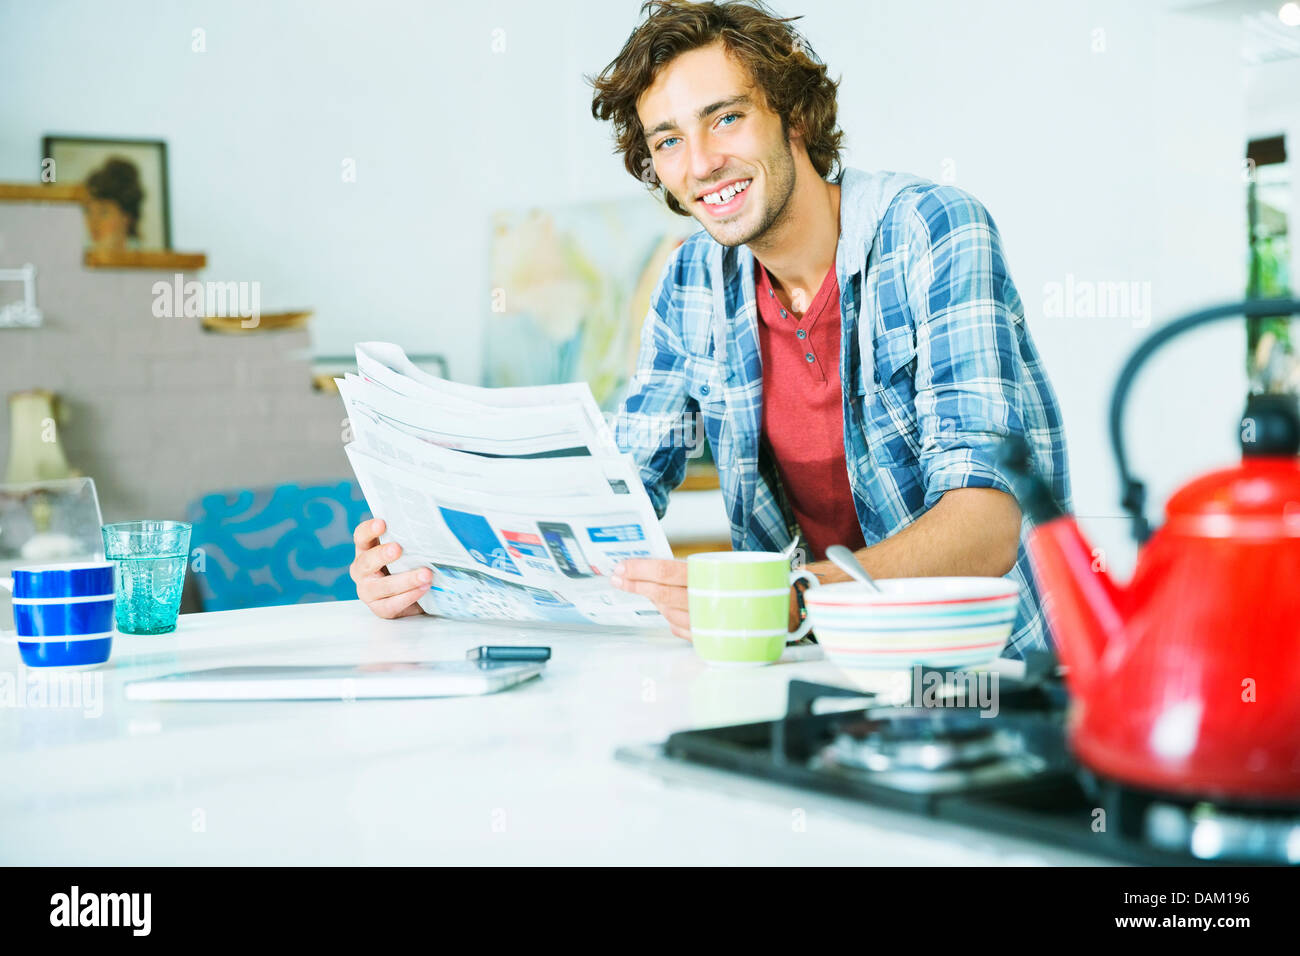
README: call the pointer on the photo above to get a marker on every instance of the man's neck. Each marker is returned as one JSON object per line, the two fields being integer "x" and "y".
{"x": 800, "y": 250}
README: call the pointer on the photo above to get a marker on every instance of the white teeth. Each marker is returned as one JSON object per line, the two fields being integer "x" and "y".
{"x": 725, "y": 195}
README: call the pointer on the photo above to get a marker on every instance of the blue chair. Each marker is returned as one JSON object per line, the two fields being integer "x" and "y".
{"x": 290, "y": 544}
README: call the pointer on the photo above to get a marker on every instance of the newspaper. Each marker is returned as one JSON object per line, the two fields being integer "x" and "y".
{"x": 518, "y": 499}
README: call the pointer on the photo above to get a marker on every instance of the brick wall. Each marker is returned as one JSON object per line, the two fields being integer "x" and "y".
{"x": 159, "y": 411}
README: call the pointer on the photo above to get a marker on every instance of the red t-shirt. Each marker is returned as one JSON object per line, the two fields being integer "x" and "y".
{"x": 803, "y": 419}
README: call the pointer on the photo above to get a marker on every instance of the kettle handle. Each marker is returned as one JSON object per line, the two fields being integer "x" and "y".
{"x": 1286, "y": 436}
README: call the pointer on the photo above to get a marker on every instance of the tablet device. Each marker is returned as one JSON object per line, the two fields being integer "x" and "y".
{"x": 338, "y": 681}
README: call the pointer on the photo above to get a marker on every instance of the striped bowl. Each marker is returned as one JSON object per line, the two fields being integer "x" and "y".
{"x": 938, "y": 622}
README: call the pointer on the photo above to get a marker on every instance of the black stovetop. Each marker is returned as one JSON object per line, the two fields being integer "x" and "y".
{"x": 1061, "y": 804}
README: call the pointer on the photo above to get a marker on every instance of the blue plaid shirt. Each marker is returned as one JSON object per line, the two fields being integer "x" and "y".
{"x": 950, "y": 370}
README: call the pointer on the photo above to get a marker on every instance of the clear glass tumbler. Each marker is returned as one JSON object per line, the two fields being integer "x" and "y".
{"x": 150, "y": 559}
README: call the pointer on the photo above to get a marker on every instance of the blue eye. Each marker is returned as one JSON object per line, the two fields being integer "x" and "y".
{"x": 729, "y": 116}
{"x": 663, "y": 144}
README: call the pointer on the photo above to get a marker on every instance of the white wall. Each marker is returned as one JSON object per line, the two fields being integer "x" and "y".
{"x": 442, "y": 130}
{"x": 1119, "y": 165}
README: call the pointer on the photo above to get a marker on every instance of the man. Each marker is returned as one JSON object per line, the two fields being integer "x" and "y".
{"x": 853, "y": 342}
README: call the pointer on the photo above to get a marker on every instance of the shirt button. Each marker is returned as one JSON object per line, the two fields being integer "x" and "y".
{"x": 770, "y": 293}
{"x": 810, "y": 357}
{"x": 802, "y": 334}
{"x": 704, "y": 389}
{"x": 783, "y": 313}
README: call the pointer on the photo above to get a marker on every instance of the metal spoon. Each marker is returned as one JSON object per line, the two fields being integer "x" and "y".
{"x": 843, "y": 559}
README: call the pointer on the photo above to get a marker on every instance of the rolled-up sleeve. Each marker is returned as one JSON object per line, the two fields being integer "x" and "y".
{"x": 654, "y": 422}
{"x": 968, "y": 318}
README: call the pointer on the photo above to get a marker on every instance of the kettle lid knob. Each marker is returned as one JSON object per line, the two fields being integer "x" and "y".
{"x": 1270, "y": 426}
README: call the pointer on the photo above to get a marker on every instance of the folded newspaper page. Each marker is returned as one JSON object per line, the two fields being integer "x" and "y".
{"x": 518, "y": 499}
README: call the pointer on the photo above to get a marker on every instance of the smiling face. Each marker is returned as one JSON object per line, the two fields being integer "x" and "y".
{"x": 108, "y": 225}
{"x": 716, "y": 146}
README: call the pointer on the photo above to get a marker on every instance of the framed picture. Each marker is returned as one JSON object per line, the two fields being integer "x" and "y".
{"x": 126, "y": 182}
{"x": 572, "y": 285}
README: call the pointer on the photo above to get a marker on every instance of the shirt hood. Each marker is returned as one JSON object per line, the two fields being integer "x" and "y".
{"x": 864, "y": 198}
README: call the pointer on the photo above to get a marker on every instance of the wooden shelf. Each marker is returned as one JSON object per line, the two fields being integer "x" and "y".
{"x": 267, "y": 322}
{"x": 146, "y": 259}
{"x": 705, "y": 479}
{"x": 42, "y": 192}
{"x": 687, "y": 548}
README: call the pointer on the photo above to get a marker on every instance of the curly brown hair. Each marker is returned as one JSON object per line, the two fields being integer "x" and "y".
{"x": 793, "y": 81}
{"x": 118, "y": 181}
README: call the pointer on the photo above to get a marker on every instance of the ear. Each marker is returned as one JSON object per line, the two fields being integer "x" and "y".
{"x": 796, "y": 139}
{"x": 795, "y": 133}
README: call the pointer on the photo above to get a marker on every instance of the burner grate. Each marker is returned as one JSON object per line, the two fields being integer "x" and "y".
{"x": 1011, "y": 774}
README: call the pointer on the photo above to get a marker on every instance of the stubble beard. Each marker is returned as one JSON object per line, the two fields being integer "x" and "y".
{"x": 780, "y": 183}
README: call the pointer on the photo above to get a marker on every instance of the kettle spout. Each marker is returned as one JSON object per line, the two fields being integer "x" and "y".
{"x": 1084, "y": 606}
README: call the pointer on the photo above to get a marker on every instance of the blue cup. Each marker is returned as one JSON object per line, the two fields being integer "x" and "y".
{"x": 63, "y": 613}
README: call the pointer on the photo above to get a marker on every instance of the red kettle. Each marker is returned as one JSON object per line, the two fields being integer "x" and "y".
{"x": 1185, "y": 680}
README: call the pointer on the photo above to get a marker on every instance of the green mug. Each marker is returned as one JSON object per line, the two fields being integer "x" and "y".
{"x": 740, "y": 606}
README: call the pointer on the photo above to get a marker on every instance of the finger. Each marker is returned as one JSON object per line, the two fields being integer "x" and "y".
{"x": 383, "y": 586}
{"x": 662, "y": 570}
{"x": 683, "y": 632}
{"x": 367, "y": 533}
{"x": 413, "y": 609}
{"x": 660, "y": 595}
{"x": 372, "y": 562}
{"x": 364, "y": 565}
{"x": 676, "y": 617}
{"x": 395, "y": 606}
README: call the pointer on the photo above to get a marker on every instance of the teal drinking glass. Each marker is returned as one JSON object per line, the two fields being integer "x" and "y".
{"x": 150, "y": 559}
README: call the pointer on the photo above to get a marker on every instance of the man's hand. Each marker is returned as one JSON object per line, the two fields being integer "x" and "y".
{"x": 388, "y": 595}
{"x": 664, "y": 583}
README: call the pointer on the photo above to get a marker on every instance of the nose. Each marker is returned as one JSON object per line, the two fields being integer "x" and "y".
{"x": 706, "y": 159}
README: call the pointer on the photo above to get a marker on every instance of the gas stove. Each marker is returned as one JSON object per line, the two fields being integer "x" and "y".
{"x": 998, "y": 764}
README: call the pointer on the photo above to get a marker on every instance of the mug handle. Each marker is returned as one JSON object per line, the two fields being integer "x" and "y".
{"x": 7, "y": 584}
{"x": 806, "y": 626}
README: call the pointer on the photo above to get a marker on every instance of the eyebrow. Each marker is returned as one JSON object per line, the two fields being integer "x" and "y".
{"x": 741, "y": 99}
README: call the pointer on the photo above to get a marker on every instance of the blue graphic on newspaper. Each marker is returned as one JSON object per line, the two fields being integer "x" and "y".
{"x": 477, "y": 537}
{"x": 616, "y": 532}
{"x": 466, "y": 593}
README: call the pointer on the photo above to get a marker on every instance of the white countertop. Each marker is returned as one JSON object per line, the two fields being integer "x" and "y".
{"x": 524, "y": 776}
